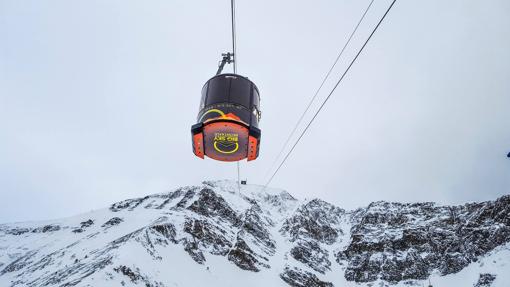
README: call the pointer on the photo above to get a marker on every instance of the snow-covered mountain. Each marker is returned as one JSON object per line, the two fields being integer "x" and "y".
{"x": 213, "y": 235}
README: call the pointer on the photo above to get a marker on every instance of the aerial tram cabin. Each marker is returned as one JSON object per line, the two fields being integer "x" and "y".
{"x": 227, "y": 127}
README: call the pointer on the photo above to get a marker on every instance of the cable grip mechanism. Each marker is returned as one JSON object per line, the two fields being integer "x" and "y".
{"x": 228, "y": 58}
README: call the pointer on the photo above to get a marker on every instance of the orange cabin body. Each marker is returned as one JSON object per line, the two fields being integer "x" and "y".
{"x": 227, "y": 127}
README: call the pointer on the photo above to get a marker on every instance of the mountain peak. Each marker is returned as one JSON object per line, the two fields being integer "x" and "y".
{"x": 219, "y": 232}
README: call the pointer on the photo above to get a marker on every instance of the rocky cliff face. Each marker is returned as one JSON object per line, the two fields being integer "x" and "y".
{"x": 212, "y": 235}
{"x": 397, "y": 242}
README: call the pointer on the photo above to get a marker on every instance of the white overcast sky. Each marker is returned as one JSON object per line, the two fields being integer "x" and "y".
{"x": 97, "y": 99}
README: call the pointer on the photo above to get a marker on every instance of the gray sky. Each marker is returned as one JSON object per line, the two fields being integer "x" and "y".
{"x": 97, "y": 99}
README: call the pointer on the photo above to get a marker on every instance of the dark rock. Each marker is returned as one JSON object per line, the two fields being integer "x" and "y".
{"x": 242, "y": 256}
{"x": 135, "y": 276}
{"x": 212, "y": 205}
{"x": 87, "y": 223}
{"x": 362, "y": 269}
{"x": 254, "y": 225}
{"x": 19, "y": 263}
{"x": 485, "y": 280}
{"x": 316, "y": 220}
{"x": 112, "y": 222}
{"x": 17, "y": 231}
{"x": 194, "y": 252}
{"x": 170, "y": 197}
{"x": 299, "y": 278}
{"x": 167, "y": 230}
{"x": 83, "y": 225}
{"x": 311, "y": 254}
{"x": 207, "y": 236}
{"x": 186, "y": 198}
{"x": 128, "y": 204}
{"x": 46, "y": 228}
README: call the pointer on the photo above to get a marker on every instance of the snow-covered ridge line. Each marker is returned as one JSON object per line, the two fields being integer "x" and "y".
{"x": 214, "y": 235}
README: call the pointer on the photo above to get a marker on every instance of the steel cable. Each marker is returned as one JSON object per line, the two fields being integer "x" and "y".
{"x": 329, "y": 95}
{"x": 319, "y": 89}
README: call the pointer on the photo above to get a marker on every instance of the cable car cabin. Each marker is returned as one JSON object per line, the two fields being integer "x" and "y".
{"x": 228, "y": 119}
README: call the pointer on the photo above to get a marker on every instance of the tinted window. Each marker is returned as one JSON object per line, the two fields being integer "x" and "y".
{"x": 204, "y": 94}
{"x": 218, "y": 91}
{"x": 256, "y": 98}
{"x": 240, "y": 91}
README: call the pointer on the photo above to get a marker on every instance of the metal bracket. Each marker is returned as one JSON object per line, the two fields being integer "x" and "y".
{"x": 228, "y": 58}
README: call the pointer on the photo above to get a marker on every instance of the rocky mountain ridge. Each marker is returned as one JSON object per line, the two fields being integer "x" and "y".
{"x": 214, "y": 235}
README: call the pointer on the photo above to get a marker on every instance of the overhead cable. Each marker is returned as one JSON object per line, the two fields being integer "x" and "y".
{"x": 319, "y": 89}
{"x": 329, "y": 95}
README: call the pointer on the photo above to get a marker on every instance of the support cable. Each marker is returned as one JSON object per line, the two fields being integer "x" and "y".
{"x": 329, "y": 95}
{"x": 234, "y": 40}
{"x": 238, "y": 177}
{"x": 234, "y": 60}
{"x": 319, "y": 89}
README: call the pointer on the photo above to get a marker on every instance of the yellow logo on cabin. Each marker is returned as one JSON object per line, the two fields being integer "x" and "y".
{"x": 226, "y": 142}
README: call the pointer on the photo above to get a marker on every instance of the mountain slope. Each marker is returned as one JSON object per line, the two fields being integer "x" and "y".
{"x": 212, "y": 235}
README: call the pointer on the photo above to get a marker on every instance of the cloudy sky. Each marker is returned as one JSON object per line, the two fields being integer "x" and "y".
{"x": 97, "y": 98}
